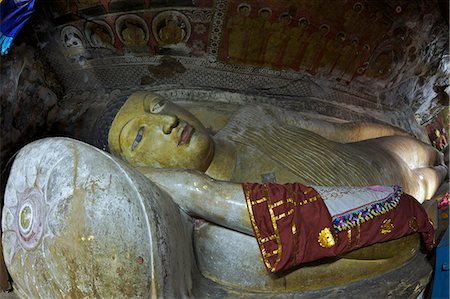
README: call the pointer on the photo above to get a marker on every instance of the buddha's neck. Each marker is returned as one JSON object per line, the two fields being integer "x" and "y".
{"x": 223, "y": 162}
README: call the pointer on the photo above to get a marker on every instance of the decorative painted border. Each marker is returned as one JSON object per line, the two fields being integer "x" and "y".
{"x": 216, "y": 29}
{"x": 355, "y": 218}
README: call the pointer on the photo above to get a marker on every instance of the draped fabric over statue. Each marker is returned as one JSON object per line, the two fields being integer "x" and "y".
{"x": 293, "y": 225}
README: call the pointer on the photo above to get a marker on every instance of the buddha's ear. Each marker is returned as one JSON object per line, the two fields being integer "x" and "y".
{"x": 150, "y": 100}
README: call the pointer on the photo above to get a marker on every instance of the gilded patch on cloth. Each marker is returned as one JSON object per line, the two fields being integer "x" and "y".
{"x": 386, "y": 227}
{"x": 326, "y": 238}
{"x": 275, "y": 237}
{"x": 294, "y": 229}
{"x": 275, "y": 215}
{"x": 413, "y": 224}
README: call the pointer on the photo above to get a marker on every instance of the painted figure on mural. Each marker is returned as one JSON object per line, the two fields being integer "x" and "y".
{"x": 440, "y": 141}
{"x": 278, "y": 37}
{"x": 353, "y": 18}
{"x": 314, "y": 50}
{"x": 258, "y": 33}
{"x": 358, "y": 65}
{"x": 133, "y": 34}
{"x": 100, "y": 36}
{"x": 172, "y": 32}
{"x": 348, "y": 55}
{"x": 332, "y": 51}
{"x": 295, "y": 45}
{"x": 238, "y": 27}
{"x": 74, "y": 42}
{"x": 380, "y": 66}
{"x": 376, "y": 32}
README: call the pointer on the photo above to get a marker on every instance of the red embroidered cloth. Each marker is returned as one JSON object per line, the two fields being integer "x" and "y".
{"x": 292, "y": 225}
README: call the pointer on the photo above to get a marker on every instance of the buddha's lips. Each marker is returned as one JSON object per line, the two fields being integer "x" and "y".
{"x": 186, "y": 134}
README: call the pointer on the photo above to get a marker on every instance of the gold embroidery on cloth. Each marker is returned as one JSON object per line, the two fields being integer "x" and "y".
{"x": 275, "y": 228}
{"x": 272, "y": 253}
{"x": 386, "y": 227}
{"x": 277, "y": 204}
{"x": 413, "y": 224}
{"x": 267, "y": 239}
{"x": 309, "y": 189}
{"x": 326, "y": 238}
{"x": 259, "y": 201}
{"x": 250, "y": 205}
{"x": 349, "y": 237}
{"x": 329, "y": 239}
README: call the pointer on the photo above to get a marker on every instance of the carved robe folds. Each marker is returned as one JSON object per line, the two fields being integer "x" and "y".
{"x": 293, "y": 225}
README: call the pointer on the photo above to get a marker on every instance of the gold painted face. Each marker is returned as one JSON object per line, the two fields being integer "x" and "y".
{"x": 151, "y": 131}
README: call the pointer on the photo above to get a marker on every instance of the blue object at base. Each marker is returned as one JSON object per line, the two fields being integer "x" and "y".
{"x": 441, "y": 272}
{"x": 5, "y": 43}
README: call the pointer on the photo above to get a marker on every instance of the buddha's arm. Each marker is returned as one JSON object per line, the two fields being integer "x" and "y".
{"x": 343, "y": 132}
{"x": 201, "y": 196}
{"x": 350, "y": 132}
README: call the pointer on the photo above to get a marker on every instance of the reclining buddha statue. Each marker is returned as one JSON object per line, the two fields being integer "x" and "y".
{"x": 255, "y": 144}
{"x": 182, "y": 221}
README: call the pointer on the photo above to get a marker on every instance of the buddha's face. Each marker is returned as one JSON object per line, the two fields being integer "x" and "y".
{"x": 265, "y": 14}
{"x": 244, "y": 10}
{"x": 151, "y": 131}
{"x": 285, "y": 20}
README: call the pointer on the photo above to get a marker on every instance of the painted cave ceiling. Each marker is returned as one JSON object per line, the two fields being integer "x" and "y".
{"x": 392, "y": 52}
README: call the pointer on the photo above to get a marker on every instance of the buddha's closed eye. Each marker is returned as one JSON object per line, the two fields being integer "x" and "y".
{"x": 138, "y": 138}
{"x": 158, "y": 107}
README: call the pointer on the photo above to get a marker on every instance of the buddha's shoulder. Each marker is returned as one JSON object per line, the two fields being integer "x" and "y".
{"x": 262, "y": 112}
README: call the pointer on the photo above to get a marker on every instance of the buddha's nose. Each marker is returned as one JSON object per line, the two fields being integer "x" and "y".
{"x": 170, "y": 123}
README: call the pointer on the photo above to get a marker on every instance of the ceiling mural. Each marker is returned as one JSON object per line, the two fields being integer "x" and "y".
{"x": 340, "y": 40}
{"x": 148, "y": 33}
{"x": 376, "y": 44}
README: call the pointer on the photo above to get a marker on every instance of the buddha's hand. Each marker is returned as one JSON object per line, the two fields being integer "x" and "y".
{"x": 201, "y": 196}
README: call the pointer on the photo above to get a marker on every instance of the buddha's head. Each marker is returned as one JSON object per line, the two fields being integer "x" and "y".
{"x": 303, "y": 22}
{"x": 265, "y": 13}
{"x": 244, "y": 9}
{"x": 285, "y": 19}
{"x": 149, "y": 130}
